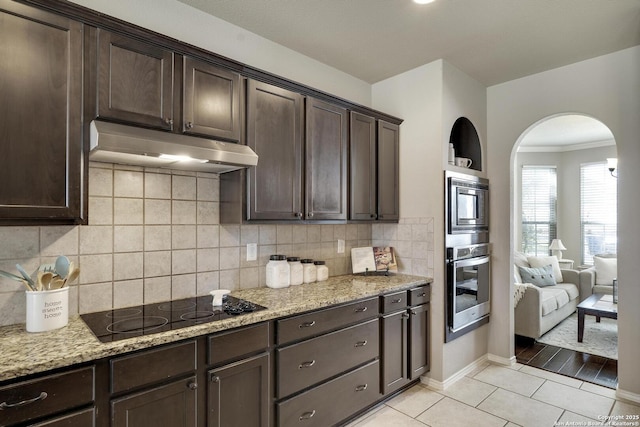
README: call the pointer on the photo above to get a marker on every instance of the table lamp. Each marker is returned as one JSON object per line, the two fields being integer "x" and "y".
{"x": 557, "y": 247}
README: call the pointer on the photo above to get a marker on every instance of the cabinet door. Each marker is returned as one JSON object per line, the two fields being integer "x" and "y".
{"x": 394, "y": 351}
{"x": 85, "y": 418}
{"x": 418, "y": 340}
{"x": 239, "y": 393}
{"x": 135, "y": 81}
{"x": 274, "y": 132}
{"x": 211, "y": 100}
{"x": 388, "y": 171}
{"x": 173, "y": 404}
{"x": 326, "y": 161}
{"x": 41, "y": 116}
{"x": 362, "y": 151}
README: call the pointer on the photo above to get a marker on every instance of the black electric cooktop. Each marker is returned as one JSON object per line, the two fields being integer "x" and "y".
{"x": 120, "y": 324}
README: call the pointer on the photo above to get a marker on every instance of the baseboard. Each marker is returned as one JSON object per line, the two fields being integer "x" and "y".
{"x": 443, "y": 385}
{"x": 627, "y": 395}
{"x": 499, "y": 360}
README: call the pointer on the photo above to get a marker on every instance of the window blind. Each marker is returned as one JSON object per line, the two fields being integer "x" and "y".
{"x": 598, "y": 210}
{"x": 539, "y": 199}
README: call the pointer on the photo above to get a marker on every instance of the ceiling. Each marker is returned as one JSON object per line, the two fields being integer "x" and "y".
{"x": 493, "y": 41}
{"x": 567, "y": 133}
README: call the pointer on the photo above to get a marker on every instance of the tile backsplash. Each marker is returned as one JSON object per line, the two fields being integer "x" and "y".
{"x": 154, "y": 235}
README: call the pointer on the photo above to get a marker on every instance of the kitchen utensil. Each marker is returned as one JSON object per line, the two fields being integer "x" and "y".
{"x": 62, "y": 266}
{"x": 73, "y": 275}
{"x": 217, "y": 296}
{"x": 26, "y": 276}
{"x": 16, "y": 278}
{"x": 44, "y": 279}
{"x": 56, "y": 283}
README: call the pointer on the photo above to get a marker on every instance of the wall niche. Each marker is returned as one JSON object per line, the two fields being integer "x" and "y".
{"x": 466, "y": 142}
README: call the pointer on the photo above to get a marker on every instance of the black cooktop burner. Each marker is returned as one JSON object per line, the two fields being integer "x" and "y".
{"x": 115, "y": 325}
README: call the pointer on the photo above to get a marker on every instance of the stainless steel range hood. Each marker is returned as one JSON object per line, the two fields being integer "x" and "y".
{"x": 115, "y": 143}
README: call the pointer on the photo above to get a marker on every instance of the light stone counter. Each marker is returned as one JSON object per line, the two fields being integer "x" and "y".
{"x": 26, "y": 353}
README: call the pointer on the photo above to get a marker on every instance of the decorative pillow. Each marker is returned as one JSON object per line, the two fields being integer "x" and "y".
{"x": 539, "y": 276}
{"x": 606, "y": 270}
{"x": 541, "y": 261}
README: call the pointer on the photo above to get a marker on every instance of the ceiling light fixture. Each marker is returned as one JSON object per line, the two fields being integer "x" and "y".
{"x": 423, "y": 1}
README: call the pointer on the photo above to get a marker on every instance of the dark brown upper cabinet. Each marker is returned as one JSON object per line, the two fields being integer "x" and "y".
{"x": 326, "y": 161}
{"x": 41, "y": 166}
{"x": 374, "y": 155}
{"x": 135, "y": 81}
{"x": 211, "y": 100}
{"x": 274, "y": 132}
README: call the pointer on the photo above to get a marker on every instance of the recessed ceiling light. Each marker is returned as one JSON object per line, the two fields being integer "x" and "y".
{"x": 423, "y": 1}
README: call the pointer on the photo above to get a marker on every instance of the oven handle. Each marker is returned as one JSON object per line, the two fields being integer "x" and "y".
{"x": 471, "y": 261}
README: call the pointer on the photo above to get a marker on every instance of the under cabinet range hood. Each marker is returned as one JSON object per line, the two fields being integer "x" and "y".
{"x": 116, "y": 143}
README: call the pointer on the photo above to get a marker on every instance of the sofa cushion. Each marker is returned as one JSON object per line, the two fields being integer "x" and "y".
{"x": 541, "y": 261}
{"x": 570, "y": 289}
{"x": 606, "y": 270}
{"x": 540, "y": 277}
{"x": 552, "y": 298}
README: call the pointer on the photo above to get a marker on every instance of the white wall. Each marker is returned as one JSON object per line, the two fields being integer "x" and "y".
{"x": 606, "y": 88}
{"x": 182, "y": 22}
{"x": 429, "y": 99}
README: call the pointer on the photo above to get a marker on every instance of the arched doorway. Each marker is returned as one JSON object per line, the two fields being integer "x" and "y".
{"x": 564, "y": 198}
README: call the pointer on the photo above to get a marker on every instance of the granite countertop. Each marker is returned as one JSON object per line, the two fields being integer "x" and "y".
{"x": 26, "y": 353}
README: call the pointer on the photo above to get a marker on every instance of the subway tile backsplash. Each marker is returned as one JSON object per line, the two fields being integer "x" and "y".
{"x": 154, "y": 235}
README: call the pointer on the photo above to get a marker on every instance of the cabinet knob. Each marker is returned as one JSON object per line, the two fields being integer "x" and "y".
{"x": 4, "y": 405}
{"x": 193, "y": 385}
{"x": 307, "y": 415}
{"x": 362, "y": 387}
{"x": 189, "y": 125}
{"x": 215, "y": 379}
{"x": 413, "y": 312}
{"x": 373, "y": 216}
{"x": 298, "y": 214}
{"x": 169, "y": 121}
{"x": 310, "y": 215}
{"x": 307, "y": 364}
{"x": 405, "y": 315}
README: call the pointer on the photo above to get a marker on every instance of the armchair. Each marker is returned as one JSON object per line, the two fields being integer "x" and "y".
{"x": 599, "y": 278}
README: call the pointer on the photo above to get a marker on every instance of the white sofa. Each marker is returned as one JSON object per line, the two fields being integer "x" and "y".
{"x": 538, "y": 309}
{"x": 599, "y": 277}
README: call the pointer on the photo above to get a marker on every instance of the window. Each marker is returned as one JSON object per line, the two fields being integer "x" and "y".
{"x": 539, "y": 223}
{"x": 598, "y": 210}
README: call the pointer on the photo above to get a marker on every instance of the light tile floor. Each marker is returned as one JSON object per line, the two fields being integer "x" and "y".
{"x": 502, "y": 397}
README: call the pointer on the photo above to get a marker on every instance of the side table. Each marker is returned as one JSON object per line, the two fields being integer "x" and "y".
{"x": 566, "y": 264}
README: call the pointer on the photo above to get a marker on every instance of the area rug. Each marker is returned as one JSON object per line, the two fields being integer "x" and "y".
{"x": 600, "y": 339}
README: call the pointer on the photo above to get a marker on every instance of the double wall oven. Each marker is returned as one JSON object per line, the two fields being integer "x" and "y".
{"x": 468, "y": 258}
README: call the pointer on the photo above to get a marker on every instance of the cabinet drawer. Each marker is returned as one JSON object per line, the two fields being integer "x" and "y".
{"x": 310, "y": 324}
{"x": 32, "y": 399}
{"x": 231, "y": 345}
{"x": 151, "y": 366}
{"x": 86, "y": 418}
{"x": 333, "y": 401}
{"x": 309, "y": 362}
{"x": 419, "y": 295}
{"x": 394, "y": 301}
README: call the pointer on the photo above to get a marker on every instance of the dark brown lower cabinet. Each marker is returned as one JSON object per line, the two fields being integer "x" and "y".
{"x": 85, "y": 418}
{"x": 418, "y": 340}
{"x": 394, "y": 351}
{"x": 238, "y": 393}
{"x": 172, "y": 404}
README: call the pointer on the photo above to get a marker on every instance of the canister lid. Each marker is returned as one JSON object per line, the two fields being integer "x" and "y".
{"x": 318, "y": 262}
{"x": 277, "y": 257}
{"x": 307, "y": 261}
{"x": 293, "y": 259}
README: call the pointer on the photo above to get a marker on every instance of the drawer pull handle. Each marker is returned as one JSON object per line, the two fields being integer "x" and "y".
{"x": 396, "y": 301}
{"x": 362, "y": 387}
{"x": 307, "y": 415}
{"x": 361, "y": 343}
{"x": 306, "y": 324}
{"x": 5, "y": 405}
{"x": 307, "y": 364}
{"x": 361, "y": 309}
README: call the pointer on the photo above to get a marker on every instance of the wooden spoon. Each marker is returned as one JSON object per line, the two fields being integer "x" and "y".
{"x": 44, "y": 279}
{"x": 73, "y": 275}
{"x": 56, "y": 283}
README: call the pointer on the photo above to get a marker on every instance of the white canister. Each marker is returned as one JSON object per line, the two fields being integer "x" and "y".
{"x": 322, "y": 271}
{"x": 278, "y": 272}
{"x": 308, "y": 271}
{"x": 296, "y": 271}
{"x": 47, "y": 310}
{"x": 452, "y": 154}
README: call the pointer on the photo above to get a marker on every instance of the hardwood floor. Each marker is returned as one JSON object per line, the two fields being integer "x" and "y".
{"x": 583, "y": 366}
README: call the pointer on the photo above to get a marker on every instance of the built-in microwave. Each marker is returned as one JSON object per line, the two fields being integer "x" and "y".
{"x": 468, "y": 204}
